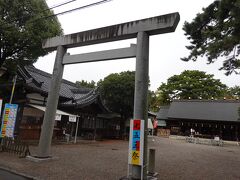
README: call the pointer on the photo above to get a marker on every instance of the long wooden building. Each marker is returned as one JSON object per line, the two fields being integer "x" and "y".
{"x": 208, "y": 118}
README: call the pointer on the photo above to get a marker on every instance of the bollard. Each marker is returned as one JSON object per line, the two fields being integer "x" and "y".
{"x": 67, "y": 137}
{"x": 151, "y": 162}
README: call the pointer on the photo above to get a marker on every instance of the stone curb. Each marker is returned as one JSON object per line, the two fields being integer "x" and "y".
{"x": 18, "y": 173}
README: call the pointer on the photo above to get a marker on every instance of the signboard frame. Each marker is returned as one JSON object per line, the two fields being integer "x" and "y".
{"x": 58, "y": 117}
{"x": 9, "y": 120}
{"x": 72, "y": 118}
{"x": 136, "y": 142}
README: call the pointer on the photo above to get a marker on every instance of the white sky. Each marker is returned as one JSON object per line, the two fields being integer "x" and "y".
{"x": 165, "y": 49}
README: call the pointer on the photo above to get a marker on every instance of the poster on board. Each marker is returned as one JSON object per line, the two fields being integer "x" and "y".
{"x": 72, "y": 118}
{"x": 58, "y": 117}
{"x": 8, "y": 120}
{"x": 136, "y": 142}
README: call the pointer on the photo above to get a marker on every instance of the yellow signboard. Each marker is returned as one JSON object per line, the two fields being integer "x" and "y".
{"x": 136, "y": 157}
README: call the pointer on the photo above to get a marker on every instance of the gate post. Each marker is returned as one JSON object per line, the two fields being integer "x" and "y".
{"x": 52, "y": 102}
{"x": 140, "y": 97}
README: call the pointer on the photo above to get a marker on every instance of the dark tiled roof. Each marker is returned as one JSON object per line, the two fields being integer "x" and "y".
{"x": 40, "y": 80}
{"x": 84, "y": 99}
{"x": 163, "y": 113}
{"x": 45, "y": 80}
{"x": 74, "y": 96}
{"x": 80, "y": 92}
{"x": 223, "y": 110}
{"x": 90, "y": 98}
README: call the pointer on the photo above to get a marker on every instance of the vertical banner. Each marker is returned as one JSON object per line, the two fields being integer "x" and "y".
{"x": 155, "y": 123}
{"x": 136, "y": 142}
{"x": 1, "y": 106}
{"x": 8, "y": 120}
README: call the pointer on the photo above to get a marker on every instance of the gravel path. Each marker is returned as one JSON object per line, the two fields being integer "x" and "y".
{"x": 107, "y": 160}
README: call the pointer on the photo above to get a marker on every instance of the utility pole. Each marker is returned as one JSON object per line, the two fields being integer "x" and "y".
{"x": 76, "y": 131}
{"x": 13, "y": 88}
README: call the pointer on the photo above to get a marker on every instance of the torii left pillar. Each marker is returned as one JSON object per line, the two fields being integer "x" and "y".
{"x": 52, "y": 102}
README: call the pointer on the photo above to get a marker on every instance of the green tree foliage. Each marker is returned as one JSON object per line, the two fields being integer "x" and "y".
{"x": 216, "y": 32}
{"x": 86, "y": 84}
{"x": 233, "y": 92}
{"x": 191, "y": 84}
{"x": 5, "y": 88}
{"x": 23, "y": 27}
{"x": 117, "y": 91}
{"x": 153, "y": 102}
{"x": 163, "y": 96}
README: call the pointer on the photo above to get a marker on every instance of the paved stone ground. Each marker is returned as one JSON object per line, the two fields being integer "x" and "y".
{"x": 107, "y": 160}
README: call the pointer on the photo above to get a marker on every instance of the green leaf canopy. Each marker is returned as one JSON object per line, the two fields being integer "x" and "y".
{"x": 23, "y": 26}
{"x": 216, "y": 33}
{"x": 117, "y": 91}
{"x": 191, "y": 84}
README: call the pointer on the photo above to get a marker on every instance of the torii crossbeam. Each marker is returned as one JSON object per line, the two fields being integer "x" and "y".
{"x": 152, "y": 26}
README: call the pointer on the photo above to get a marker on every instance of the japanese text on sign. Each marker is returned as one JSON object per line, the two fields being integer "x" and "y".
{"x": 136, "y": 142}
{"x": 8, "y": 120}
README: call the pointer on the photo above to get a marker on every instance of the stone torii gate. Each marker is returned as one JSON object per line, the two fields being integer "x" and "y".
{"x": 140, "y": 29}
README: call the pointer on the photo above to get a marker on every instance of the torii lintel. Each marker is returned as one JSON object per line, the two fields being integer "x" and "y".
{"x": 152, "y": 26}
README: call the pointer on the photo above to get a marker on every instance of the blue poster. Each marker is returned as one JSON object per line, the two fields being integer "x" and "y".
{"x": 136, "y": 140}
{"x": 8, "y": 120}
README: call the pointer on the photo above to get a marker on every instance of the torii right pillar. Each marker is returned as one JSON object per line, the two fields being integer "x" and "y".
{"x": 140, "y": 96}
{"x": 140, "y": 103}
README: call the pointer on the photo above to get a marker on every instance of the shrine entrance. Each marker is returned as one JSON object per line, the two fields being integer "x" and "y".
{"x": 140, "y": 29}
